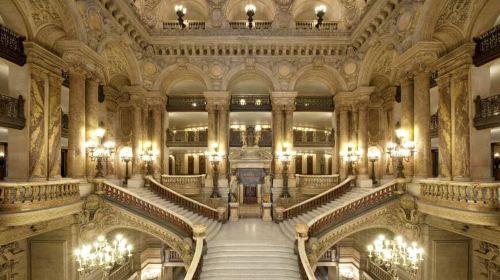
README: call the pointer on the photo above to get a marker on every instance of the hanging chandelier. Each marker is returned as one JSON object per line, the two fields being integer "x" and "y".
{"x": 396, "y": 254}
{"x": 103, "y": 255}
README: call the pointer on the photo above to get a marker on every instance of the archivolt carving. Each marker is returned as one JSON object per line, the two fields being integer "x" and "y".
{"x": 10, "y": 255}
{"x": 489, "y": 258}
{"x": 455, "y": 12}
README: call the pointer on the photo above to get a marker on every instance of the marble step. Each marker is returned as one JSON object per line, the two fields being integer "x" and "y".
{"x": 250, "y": 255}
{"x": 271, "y": 266}
{"x": 218, "y": 277}
{"x": 237, "y": 273}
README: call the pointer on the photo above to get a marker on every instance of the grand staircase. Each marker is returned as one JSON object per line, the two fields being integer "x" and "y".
{"x": 288, "y": 225}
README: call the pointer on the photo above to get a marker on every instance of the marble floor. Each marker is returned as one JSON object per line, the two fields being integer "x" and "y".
{"x": 251, "y": 230}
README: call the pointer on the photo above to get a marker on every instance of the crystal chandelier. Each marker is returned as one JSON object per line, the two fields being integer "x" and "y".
{"x": 103, "y": 255}
{"x": 395, "y": 254}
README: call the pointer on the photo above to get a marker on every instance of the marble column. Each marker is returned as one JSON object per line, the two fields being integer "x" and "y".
{"x": 363, "y": 139}
{"x": 111, "y": 107}
{"x": 54, "y": 126}
{"x": 137, "y": 139}
{"x": 91, "y": 118}
{"x": 289, "y": 136}
{"x": 407, "y": 113}
{"x": 422, "y": 118}
{"x": 444, "y": 130}
{"x": 211, "y": 134}
{"x": 76, "y": 115}
{"x": 460, "y": 125}
{"x": 343, "y": 137}
{"x": 157, "y": 137}
{"x": 166, "y": 151}
{"x": 37, "y": 127}
{"x": 278, "y": 117}
{"x": 223, "y": 137}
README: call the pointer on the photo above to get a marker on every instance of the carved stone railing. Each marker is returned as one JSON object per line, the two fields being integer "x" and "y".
{"x": 147, "y": 208}
{"x": 302, "y": 138}
{"x": 12, "y": 112}
{"x": 461, "y": 195}
{"x": 326, "y": 26}
{"x": 236, "y": 137}
{"x": 187, "y": 138}
{"x": 316, "y": 201}
{"x": 487, "y": 46}
{"x": 314, "y": 103}
{"x": 487, "y": 112}
{"x": 190, "y": 25}
{"x": 241, "y": 103}
{"x": 64, "y": 125}
{"x": 193, "y": 103}
{"x": 258, "y": 25}
{"x": 194, "y": 270}
{"x": 434, "y": 125}
{"x": 11, "y": 46}
{"x": 353, "y": 207}
{"x": 377, "y": 272}
{"x": 305, "y": 268}
{"x": 123, "y": 272}
{"x": 314, "y": 184}
{"x": 184, "y": 184}
{"x": 15, "y": 197}
{"x": 186, "y": 202}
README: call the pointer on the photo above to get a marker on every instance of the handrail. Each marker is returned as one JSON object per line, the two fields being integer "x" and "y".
{"x": 131, "y": 200}
{"x": 122, "y": 272}
{"x": 194, "y": 269}
{"x": 371, "y": 199}
{"x": 305, "y": 266}
{"x": 21, "y": 196}
{"x": 318, "y": 200}
{"x": 463, "y": 195}
{"x": 184, "y": 201}
{"x": 376, "y": 271}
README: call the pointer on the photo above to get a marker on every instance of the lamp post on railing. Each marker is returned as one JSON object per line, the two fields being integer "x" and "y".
{"x": 320, "y": 13}
{"x": 285, "y": 156}
{"x": 351, "y": 156}
{"x": 373, "y": 156}
{"x": 181, "y": 13}
{"x": 126, "y": 156}
{"x": 250, "y": 11}
{"x": 148, "y": 155}
{"x": 99, "y": 151}
{"x": 215, "y": 157}
{"x": 402, "y": 150}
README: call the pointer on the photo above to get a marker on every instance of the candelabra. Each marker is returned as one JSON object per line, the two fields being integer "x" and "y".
{"x": 373, "y": 156}
{"x": 126, "y": 156}
{"x": 103, "y": 255}
{"x": 395, "y": 254}
{"x": 250, "y": 11}
{"x": 285, "y": 156}
{"x": 181, "y": 13}
{"x": 402, "y": 150}
{"x": 99, "y": 151}
{"x": 351, "y": 156}
{"x": 215, "y": 157}
{"x": 320, "y": 13}
{"x": 148, "y": 155}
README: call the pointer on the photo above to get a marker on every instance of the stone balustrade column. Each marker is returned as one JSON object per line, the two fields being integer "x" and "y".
{"x": 407, "y": 113}
{"x": 54, "y": 126}
{"x": 38, "y": 146}
{"x": 444, "y": 130}
{"x": 460, "y": 126}
{"x": 76, "y": 123}
{"x": 91, "y": 118}
{"x": 422, "y": 118}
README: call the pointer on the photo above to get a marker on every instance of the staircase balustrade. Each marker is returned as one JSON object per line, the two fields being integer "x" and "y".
{"x": 196, "y": 265}
{"x": 317, "y": 200}
{"x": 377, "y": 272}
{"x": 316, "y": 183}
{"x": 184, "y": 184}
{"x": 461, "y": 195}
{"x": 186, "y": 202}
{"x": 301, "y": 234}
{"x": 376, "y": 197}
{"x": 123, "y": 272}
{"x": 38, "y": 195}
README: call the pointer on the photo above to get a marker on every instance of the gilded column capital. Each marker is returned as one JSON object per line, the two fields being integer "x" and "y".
{"x": 283, "y": 99}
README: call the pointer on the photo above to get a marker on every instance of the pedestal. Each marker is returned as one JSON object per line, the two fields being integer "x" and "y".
{"x": 266, "y": 212}
{"x": 234, "y": 211}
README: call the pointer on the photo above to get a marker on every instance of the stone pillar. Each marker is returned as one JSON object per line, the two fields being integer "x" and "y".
{"x": 363, "y": 139}
{"x": 444, "y": 130}
{"x": 76, "y": 115}
{"x": 289, "y": 137}
{"x": 137, "y": 139}
{"x": 422, "y": 118}
{"x": 166, "y": 150}
{"x": 277, "y": 138}
{"x": 407, "y": 99}
{"x": 157, "y": 138}
{"x": 91, "y": 118}
{"x": 223, "y": 137}
{"x": 460, "y": 125}
{"x": 343, "y": 137}
{"x": 54, "y": 127}
{"x": 37, "y": 127}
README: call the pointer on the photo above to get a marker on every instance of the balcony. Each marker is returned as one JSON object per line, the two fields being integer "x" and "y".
{"x": 12, "y": 112}
{"x": 11, "y": 46}
{"x": 303, "y": 137}
{"x": 190, "y": 25}
{"x": 190, "y": 137}
{"x": 487, "y": 112}
{"x": 193, "y": 103}
{"x": 250, "y": 103}
{"x": 314, "y": 104}
{"x": 326, "y": 26}
{"x": 258, "y": 25}
{"x": 487, "y": 46}
{"x": 250, "y": 136}
{"x": 434, "y": 125}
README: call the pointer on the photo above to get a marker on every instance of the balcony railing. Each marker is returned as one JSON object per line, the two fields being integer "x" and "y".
{"x": 487, "y": 112}
{"x": 11, "y": 46}
{"x": 487, "y": 46}
{"x": 12, "y": 112}
{"x": 258, "y": 25}
{"x": 186, "y": 138}
{"x": 314, "y": 103}
{"x": 316, "y": 184}
{"x": 184, "y": 184}
{"x": 303, "y": 138}
{"x": 190, "y": 25}
{"x": 250, "y": 137}
{"x": 38, "y": 195}
{"x": 64, "y": 125}
{"x": 326, "y": 26}
{"x": 194, "y": 103}
{"x": 250, "y": 103}
{"x": 377, "y": 272}
{"x": 434, "y": 125}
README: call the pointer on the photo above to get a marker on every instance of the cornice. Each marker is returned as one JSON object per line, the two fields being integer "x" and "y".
{"x": 44, "y": 58}
{"x": 78, "y": 47}
{"x": 283, "y": 98}
{"x": 217, "y": 98}
{"x": 455, "y": 58}
{"x": 38, "y": 216}
{"x": 423, "y": 49}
